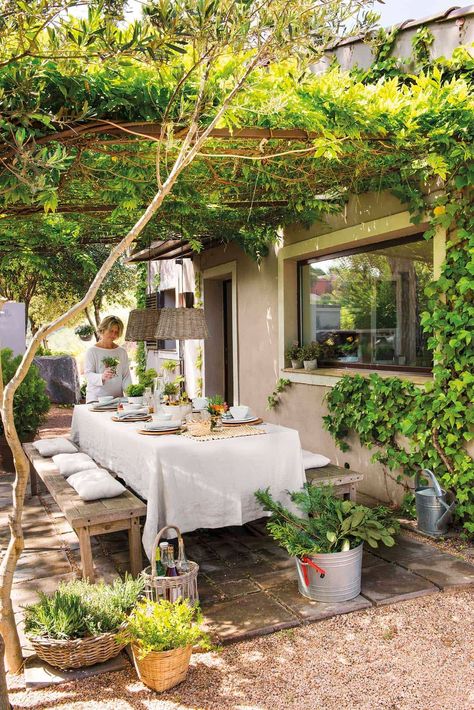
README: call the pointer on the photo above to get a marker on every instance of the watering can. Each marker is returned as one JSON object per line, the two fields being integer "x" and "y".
{"x": 432, "y": 510}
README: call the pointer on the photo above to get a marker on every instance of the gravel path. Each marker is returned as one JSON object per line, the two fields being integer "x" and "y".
{"x": 418, "y": 655}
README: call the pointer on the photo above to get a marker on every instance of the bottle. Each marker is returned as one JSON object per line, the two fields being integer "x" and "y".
{"x": 182, "y": 564}
{"x": 148, "y": 399}
{"x": 171, "y": 570}
{"x": 161, "y": 559}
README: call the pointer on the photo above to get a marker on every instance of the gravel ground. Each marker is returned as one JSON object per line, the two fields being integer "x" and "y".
{"x": 418, "y": 655}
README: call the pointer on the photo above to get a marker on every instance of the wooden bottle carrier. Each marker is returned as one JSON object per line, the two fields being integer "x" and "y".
{"x": 184, "y": 586}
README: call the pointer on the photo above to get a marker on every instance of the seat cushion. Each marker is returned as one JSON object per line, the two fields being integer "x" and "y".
{"x": 95, "y": 483}
{"x": 55, "y": 445}
{"x": 68, "y": 464}
{"x": 311, "y": 460}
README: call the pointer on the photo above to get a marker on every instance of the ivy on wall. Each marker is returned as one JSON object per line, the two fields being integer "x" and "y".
{"x": 438, "y": 419}
{"x": 140, "y": 296}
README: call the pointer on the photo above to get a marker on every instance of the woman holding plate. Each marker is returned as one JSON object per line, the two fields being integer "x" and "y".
{"x": 106, "y": 366}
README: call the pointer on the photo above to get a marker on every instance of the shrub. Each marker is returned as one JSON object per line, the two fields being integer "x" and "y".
{"x": 147, "y": 378}
{"x": 78, "y": 609}
{"x": 164, "y": 625}
{"x": 31, "y": 403}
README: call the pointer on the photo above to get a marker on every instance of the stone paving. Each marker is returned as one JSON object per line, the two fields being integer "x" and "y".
{"x": 247, "y": 584}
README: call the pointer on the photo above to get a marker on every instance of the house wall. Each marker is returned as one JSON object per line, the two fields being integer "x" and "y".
{"x": 260, "y": 308}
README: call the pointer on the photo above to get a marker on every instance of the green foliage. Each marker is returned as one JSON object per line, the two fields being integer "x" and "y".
{"x": 170, "y": 389}
{"x": 329, "y": 524}
{"x": 170, "y": 365}
{"x": 294, "y": 351}
{"x": 135, "y": 390}
{"x": 438, "y": 418}
{"x": 146, "y": 378}
{"x": 311, "y": 351}
{"x": 110, "y": 361}
{"x": 84, "y": 331}
{"x": 164, "y": 625}
{"x": 78, "y": 609}
{"x": 31, "y": 403}
{"x": 408, "y": 507}
{"x": 273, "y": 399}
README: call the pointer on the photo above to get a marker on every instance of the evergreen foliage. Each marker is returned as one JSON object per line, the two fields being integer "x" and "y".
{"x": 31, "y": 403}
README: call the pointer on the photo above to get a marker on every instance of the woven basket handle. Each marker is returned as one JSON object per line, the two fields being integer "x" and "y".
{"x": 157, "y": 542}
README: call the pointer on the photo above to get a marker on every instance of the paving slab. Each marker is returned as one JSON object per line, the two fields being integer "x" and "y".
{"x": 275, "y": 578}
{"x": 446, "y": 571}
{"x": 27, "y": 592}
{"x": 238, "y": 588}
{"x": 310, "y": 610}
{"x": 33, "y": 565}
{"x": 387, "y": 583}
{"x": 256, "y": 615}
{"x": 39, "y": 674}
{"x": 276, "y": 556}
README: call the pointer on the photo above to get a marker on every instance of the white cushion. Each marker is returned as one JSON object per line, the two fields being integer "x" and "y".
{"x": 72, "y": 463}
{"x": 311, "y": 460}
{"x": 95, "y": 483}
{"x": 56, "y": 445}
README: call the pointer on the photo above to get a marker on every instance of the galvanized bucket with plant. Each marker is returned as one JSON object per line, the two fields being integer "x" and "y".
{"x": 162, "y": 635}
{"x": 327, "y": 543}
{"x": 77, "y": 625}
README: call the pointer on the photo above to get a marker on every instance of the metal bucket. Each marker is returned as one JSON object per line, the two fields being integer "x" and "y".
{"x": 341, "y": 579}
{"x": 432, "y": 509}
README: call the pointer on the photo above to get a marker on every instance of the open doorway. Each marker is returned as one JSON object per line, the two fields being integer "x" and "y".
{"x": 220, "y": 348}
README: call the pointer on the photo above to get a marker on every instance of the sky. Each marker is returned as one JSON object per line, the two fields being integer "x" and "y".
{"x": 392, "y": 11}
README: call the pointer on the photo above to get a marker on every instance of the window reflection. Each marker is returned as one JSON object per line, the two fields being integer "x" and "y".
{"x": 365, "y": 307}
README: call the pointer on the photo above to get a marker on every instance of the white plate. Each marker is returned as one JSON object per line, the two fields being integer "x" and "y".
{"x": 248, "y": 420}
{"x": 151, "y": 426}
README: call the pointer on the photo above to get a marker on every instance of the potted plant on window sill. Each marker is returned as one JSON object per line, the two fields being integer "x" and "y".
{"x": 310, "y": 354}
{"x": 327, "y": 543}
{"x": 162, "y": 635}
{"x": 295, "y": 356}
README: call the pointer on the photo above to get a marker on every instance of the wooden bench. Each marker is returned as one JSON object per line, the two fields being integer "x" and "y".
{"x": 343, "y": 480}
{"x": 90, "y": 517}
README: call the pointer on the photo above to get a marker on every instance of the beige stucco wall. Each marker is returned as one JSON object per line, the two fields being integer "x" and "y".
{"x": 302, "y": 406}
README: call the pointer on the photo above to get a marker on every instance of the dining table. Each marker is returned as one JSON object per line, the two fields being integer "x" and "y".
{"x": 193, "y": 483}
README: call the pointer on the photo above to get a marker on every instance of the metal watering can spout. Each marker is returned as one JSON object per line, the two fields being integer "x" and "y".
{"x": 434, "y": 481}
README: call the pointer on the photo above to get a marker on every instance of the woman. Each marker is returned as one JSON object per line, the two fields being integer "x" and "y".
{"x": 103, "y": 380}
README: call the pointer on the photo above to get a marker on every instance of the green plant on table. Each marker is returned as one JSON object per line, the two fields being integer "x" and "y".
{"x": 79, "y": 609}
{"x": 170, "y": 389}
{"x": 31, "y": 403}
{"x": 329, "y": 524}
{"x": 165, "y": 625}
{"x": 135, "y": 390}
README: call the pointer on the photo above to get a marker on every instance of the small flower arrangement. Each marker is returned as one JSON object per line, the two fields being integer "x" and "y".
{"x": 216, "y": 406}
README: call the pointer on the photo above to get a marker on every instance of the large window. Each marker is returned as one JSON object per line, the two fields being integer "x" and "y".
{"x": 363, "y": 307}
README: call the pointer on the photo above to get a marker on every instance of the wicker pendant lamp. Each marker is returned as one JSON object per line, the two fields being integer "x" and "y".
{"x": 181, "y": 324}
{"x": 142, "y": 324}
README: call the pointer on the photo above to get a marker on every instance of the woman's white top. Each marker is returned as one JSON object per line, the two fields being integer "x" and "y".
{"x": 94, "y": 367}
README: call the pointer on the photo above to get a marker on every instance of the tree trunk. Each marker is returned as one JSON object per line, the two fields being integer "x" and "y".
{"x": 97, "y": 305}
{"x": 91, "y": 323}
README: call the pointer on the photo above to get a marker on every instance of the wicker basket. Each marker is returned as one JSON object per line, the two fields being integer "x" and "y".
{"x": 161, "y": 670}
{"x": 77, "y": 653}
{"x": 170, "y": 588}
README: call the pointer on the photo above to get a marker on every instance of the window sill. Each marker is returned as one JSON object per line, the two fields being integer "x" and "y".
{"x": 329, "y": 376}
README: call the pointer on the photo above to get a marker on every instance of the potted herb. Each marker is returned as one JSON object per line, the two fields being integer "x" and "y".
{"x": 162, "y": 635}
{"x": 30, "y": 405}
{"x": 327, "y": 542}
{"x": 310, "y": 354}
{"x": 135, "y": 393}
{"x": 294, "y": 355}
{"x": 77, "y": 625}
{"x": 85, "y": 332}
{"x": 148, "y": 377}
{"x": 111, "y": 362}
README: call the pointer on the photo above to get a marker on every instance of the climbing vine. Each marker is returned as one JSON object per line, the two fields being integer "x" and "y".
{"x": 438, "y": 418}
{"x": 140, "y": 296}
{"x": 273, "y": 399}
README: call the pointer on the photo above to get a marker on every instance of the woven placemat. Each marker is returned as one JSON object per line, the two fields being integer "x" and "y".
{"x": 228, "y": 433}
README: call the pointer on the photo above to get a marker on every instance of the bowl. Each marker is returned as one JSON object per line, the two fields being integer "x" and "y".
{"x": 105, "y": 399}
{"x": 161, "y": 417}
{"x": 130, "y": 407}
{"x": 240, "y": 412}
{"x": 136, "y": 400}
{"x": 200, "y": 403}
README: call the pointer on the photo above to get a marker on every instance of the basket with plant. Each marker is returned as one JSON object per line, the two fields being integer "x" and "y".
{"x": 327, "y": 541}
{"x": 77, "y": 625}
{"x": 162, "y": 635}
{"x": 112, "y": 363}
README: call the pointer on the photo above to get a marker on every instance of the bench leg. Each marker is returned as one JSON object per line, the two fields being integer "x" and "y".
{"x": 33, "y": 481}
{"x": 86, "y": 553}
{"x": 352, "y": 491}
{"x": 135, "y": 545}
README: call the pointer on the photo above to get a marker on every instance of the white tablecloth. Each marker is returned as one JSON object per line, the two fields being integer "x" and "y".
{"x": 192, "y": 484}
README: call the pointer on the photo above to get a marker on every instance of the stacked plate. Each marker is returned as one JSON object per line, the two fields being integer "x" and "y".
{"x": 170, "y": 427}
{"x": 233, "y": 421}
